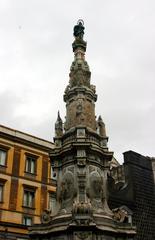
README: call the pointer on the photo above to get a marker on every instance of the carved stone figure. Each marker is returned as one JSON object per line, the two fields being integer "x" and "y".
{"x": 82, "y": 208}
{"x": 80, "y": 112}
{"x": 67, "y": 89}
{"x": 93, "y": 88}
{"x": 123, "y": 214}
{"x": 79, "y": 30}
{"x": 79, "y": 108}
{"x": 77, "y": 78}
{"x": 101, "y": 126}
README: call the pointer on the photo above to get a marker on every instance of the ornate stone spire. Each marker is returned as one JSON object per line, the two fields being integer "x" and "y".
{"x": 81, "y": 162}
{"x": 80, "y": 94}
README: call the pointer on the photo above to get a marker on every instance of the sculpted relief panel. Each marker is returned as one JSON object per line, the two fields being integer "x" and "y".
{"x": 95, "y": 191}
{"x": 66, "y": 192}
{"x": 83, "y": 236}
{"x": 80, "y": 111}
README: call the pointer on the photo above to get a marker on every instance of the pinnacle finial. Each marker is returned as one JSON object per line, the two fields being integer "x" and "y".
{"x": 58, "y": 126}
{"x": 100, "y": 119}
{"x": 58, "y": 116}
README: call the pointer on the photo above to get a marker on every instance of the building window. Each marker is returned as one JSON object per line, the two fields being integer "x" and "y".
{"x": 27, "y": 220}
{"x": 3, "y": 155}
{"x": 1, "y": 192}
{"x": 30, "y": 166}
{"x": 52, "y": 202}
{"x": 29, "y": 197}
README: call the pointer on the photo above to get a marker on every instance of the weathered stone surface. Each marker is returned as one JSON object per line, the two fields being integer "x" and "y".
{"x": 80, "y": 111}
{"x": 81, "y": 161}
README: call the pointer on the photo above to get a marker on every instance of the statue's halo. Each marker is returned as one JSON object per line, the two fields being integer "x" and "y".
{"x": 80, "y": 21}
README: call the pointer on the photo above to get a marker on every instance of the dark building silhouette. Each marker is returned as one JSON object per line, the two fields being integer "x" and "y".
{"x": 137, "y": 192}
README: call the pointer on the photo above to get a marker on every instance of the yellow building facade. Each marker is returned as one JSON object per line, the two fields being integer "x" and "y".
{"x": 27, "y": 184}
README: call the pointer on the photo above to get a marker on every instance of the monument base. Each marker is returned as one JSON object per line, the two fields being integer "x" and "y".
{"x": 97, "y": 227}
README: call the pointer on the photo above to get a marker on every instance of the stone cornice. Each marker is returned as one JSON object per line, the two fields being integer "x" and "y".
{"x": 24, "y": 138}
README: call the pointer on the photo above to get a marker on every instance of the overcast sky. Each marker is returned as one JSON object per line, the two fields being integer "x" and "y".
{"x": 36, "y": 54}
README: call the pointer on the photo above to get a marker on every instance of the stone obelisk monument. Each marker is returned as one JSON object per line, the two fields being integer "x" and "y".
{"x": 81, "y": 162}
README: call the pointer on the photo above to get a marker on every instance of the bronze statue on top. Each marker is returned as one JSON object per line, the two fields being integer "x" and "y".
{"x": 79, "y": 29}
